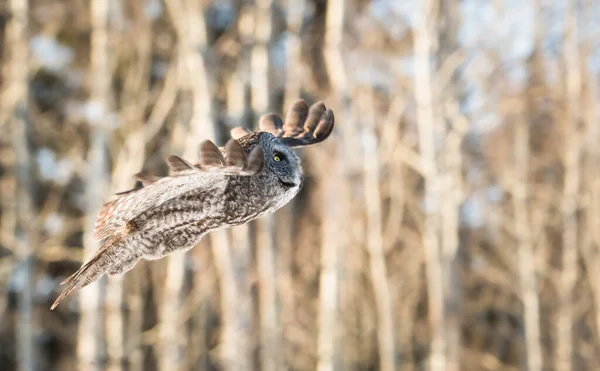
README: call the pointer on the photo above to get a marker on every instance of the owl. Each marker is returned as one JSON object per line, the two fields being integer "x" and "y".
{"x": 254, "y": 174}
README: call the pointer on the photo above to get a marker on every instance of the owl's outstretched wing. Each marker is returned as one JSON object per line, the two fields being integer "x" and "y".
{"x": 186, "y": 177}
{"x": 303, "y": 126}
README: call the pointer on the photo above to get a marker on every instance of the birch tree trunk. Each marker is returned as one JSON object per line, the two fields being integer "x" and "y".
{"x": 375, "y": 248}
{"x": 91, "y": 338}
{"x": 15, "y": 96}
{"x": 188, "y": 18}
{"x": 591, "y": 254}
{"x": 235, "y": 258}
{"x": 527, "y": 267}
{"x": 424, "y": 44}
{"x": 525, "y": 254}
{"x": 270, "y": 351}
{"x": 570, "y": 240}
{"x": 125, "y": 309}
{"x": 452, "y": 184}
{"x": 451, "y": 165}
{"x": 330, "y": 342}
{"x": 328, "y": 347}
{"x": 232, "y": 249}
{"x": 286, "y": 246}
{"x": 327, "y": 338}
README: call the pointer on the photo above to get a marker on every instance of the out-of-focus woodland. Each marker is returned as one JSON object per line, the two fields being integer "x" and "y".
{"x": 451, "y": 221}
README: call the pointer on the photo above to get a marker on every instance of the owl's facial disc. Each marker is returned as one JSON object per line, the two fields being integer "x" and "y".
{"x": 284, "y": 164}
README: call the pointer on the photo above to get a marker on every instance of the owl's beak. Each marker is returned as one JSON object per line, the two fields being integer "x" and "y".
{"x": 297, "y": 182}
{"x": 288, "y": 184}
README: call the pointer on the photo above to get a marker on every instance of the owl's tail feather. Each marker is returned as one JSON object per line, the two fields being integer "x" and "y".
{"x": 89, "y": 272}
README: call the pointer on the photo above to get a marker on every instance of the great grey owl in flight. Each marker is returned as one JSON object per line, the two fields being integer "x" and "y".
{"x": 254, "y": 174}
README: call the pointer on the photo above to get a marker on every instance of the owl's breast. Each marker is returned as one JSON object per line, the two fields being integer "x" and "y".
{"x": 247, "y": 198}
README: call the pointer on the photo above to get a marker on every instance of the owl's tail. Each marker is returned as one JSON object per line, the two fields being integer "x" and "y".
{"x": 91, "y": 271}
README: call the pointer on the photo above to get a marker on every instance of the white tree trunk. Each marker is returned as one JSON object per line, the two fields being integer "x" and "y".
{"x": 188, "y": 18}
{"x": 14, "y": 105}
{"x": 570, "y": 233}
{"x": 424, "y": 44}
{"x": 90, "y": 344}
{"x": 525, "y": 253}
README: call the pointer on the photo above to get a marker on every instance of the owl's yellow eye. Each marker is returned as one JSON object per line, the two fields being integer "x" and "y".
{"x": 278, "y": 156}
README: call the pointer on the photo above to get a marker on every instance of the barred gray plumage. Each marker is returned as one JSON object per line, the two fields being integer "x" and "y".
{"x": 254, "y": 174}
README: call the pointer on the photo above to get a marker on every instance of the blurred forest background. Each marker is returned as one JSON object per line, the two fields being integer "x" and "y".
{"x": 451, "y": 222}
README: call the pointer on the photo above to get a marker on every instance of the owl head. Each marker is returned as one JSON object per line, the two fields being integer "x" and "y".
{"x": 280, "y": 161}
{"x": 303, "y": 126}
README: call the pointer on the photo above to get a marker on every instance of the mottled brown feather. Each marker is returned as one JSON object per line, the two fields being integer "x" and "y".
{"x": 255, "y": 161}
{"x": 271, "y": 123}
{"x": 87, "y": 272}
{"x": 295, "y": 118}
{"x": 324, "y": 128}
{"x": 146, "y": 179}
{"x": 107, "y": 210}
{"x": 234, "y": 154}
{"x": 209, "y": 155}
{"x": 315, "y": 114}
{"x": 305, "y": 126}
{"x": 179, "y": 164}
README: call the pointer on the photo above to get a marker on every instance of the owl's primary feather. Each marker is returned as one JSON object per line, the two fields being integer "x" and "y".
{"x": 252, "y": 175}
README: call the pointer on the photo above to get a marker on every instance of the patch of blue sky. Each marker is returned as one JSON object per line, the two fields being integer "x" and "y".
{"x": 51, "y": 54}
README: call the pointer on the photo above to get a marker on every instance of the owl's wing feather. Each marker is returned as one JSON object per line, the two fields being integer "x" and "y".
{"x": 89, "y": 272}
{"x": 255, "y": 162}
{"x": 235, "y": 156}
{"x": 271, "y": 123}
{"x": 295, "y": 118}
{"x": 209, "y": 155}
{"x": 93, "y": 259}
{"x": 303, "y": 125}
{"x": 315, "y": 115}
{"x": 146, "y": 179}
{"x": 179, "y": 164}
{"x": 232, "y": 159}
